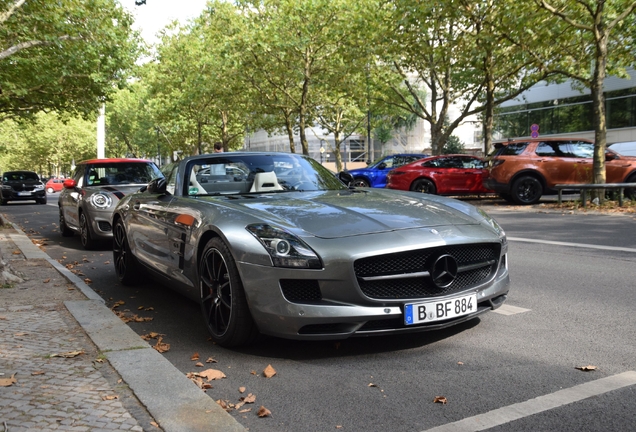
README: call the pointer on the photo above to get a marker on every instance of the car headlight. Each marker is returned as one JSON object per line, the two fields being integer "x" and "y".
{"x": 6, "y": 187}
{"x": 39, "y": 187}
{"x": 498, "y": 229}
{"x": 286, "y": 249}
{"x": 101, "y": 200}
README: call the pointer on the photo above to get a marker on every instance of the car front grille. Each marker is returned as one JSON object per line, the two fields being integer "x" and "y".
{"x": 407, "y": 275}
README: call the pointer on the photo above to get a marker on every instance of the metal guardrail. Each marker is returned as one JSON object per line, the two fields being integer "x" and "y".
{"x": 584, "y": 187}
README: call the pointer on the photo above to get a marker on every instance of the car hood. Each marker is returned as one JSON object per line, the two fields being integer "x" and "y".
{"x": 334, "y": 214}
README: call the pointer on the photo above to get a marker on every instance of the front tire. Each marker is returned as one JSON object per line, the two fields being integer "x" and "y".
{"x": 50, "y": 190}
{"x": 85, "y": 233}
{"x": 127, "y": 268}
{"x": 630, "y": 193}
{"x": 223, "y": 301}
{"x": 359, "y": 182}
{"x": 424, "y": 186}
{"x": 41, "y": 200}
{"x": 527, "y": 190}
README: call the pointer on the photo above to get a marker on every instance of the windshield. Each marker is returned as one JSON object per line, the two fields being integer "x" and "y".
{"x": 242, "y": 173}
{"x": 20, "y": 176}
{"x": 121, "y": 173}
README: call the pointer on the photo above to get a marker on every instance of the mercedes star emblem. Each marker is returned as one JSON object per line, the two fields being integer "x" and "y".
{"x": 444, "y": 271}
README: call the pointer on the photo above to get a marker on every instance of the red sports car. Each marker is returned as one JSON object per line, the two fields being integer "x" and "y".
{"x": 442, "y": 175}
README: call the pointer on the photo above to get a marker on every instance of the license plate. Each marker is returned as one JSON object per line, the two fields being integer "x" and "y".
{"x": 24, "y": 193}
{"x": 418, "y": 313}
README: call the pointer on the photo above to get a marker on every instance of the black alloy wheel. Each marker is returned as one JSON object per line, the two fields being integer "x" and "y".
{"x": 424, "y": 186}
{"x": 85, "y": 233}
{"x": 527, "y": 190}
{"x": 360, "y": 182}
{"x": 223, "y": 302}
{"x": 128, "y": 270}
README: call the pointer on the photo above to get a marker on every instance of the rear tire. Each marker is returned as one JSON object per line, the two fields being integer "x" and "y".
{"x": 85, "y": 233}
{"x": 129, "y": 271}
{"x": 223, "y": 303}
{"x": 359, "y": 182}
{"x": 64, "y": 229}
{"x": 527, "y": 190}
{"x": 424, "y": 186}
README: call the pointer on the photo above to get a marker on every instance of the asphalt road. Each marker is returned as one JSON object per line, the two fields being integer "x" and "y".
{"x": 571, "y": 305}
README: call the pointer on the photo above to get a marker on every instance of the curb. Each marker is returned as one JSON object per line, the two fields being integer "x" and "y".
{"x": 176, "y": 403}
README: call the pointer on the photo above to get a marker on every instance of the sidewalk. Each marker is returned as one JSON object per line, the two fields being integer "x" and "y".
{"x": 67, "y": 363}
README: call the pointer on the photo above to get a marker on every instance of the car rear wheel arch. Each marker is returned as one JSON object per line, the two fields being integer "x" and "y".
{"x": 361, "y": 182}
{"x": 631, "y": 192}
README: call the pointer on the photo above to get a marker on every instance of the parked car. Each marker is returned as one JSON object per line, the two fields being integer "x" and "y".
{"x": 300, "y": 255}
{"x": 521, "y": 171}
{"x": 375, "y": 174}
{"x": 91, "y": 194}
{"x": 54, "y": 185}
{"x": 441, "y": 175}
{"x": 624, "y": 148}
{"x": 22, "y": 186}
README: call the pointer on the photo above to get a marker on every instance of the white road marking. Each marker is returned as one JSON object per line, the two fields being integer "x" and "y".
{"x": 542, "y": 403}
{"x": 579, "y": 245}
{"x": 510, "y": 310}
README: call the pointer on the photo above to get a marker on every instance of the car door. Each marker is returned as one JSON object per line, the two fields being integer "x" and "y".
{"x": 69, "y": 199}
{"x": 583, "y": 152}
{"x": 471, "y": 175}
{"x": 559, "y": 163}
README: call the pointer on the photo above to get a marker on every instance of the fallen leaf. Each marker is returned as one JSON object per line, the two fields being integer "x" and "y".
{"x": 107, "y": 263}
{"x": 263, "y": 412}
{"x": 440, "y": 399}
{"x": 212, "y": 374}
{"x": 16, "y": 252}
{"x": 199, "y": 364}
{"x": 110, "y": 397}
{"x": 587, "y": 368}
{"x": 20, "y": 334}
{"x": 151, "y": 335}
{"x": 140, "y": 308}
{"x": 250, "y": 398}
{"x": 46, "y": 280}
{"x": 6, "y": 382}
{"x": 155, "y": 424}
{"x": 253, "y": 372}
{"x": 269, "y": 371}
{"x": 241, "y": 389}
{"x": 85, "y": 260}
{"x": 69, "y": 354}
{"x": 245, "y": 410}
{"x": 160, "y": 346}
{"x": 372, "y": 385}
{"x": 211, "y": 360}
{"x": 194, "y": 357}
{"x": 87, "y": 280}
{"x": 460, "y": 363}
{"x": 37, "y": 373}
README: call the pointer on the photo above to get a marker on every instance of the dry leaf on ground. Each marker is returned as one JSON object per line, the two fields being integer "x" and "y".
{"x": 440, "y": 399}
{"x": 37, "y": 373}
{"x": 587, "y": 368}
{"x": 161, "y": 346}
{"x": 110, "y": 397}
{"x": 69, "y": 354}
{"x": 194, "y": 357}
{"x": 242, "y": 389}
{"x": 211, "y": 360}
{"x": 6, "y": 382}
{"x": 46, "y": 280}
{"x": 250, "y": 398}
{"x": 269, "y": 371}
{"x": 263, "y": 412}
{"x": 212, "y": 374}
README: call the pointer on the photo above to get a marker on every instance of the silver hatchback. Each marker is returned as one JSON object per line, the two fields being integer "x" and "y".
{"x": 90, "y": 195}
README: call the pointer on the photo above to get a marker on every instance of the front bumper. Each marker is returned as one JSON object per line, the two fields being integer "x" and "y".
{"x": 344, "y": 311}
{"x": 11, "y": 195}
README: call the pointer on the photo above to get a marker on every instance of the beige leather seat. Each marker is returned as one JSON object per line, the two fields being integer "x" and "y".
{"x": 265, "y": 181}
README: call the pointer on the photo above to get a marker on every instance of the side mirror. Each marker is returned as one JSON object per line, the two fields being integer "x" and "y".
{"x": 346, "y": 178}
{"x": 382, "y": 166}
{"x": 157, "y": 186}
{"x": 610, "y": 156}
{"x": 69, "y": 183}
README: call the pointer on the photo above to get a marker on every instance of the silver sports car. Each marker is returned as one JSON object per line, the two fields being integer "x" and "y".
{"x": 275, "y": 243}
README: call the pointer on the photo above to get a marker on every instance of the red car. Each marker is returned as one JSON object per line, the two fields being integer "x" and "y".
{"x": 54, "y": 185}
{"x": 442, "y": 175}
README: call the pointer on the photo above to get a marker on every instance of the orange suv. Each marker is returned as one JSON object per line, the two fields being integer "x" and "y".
{"x": 521, "y": 171}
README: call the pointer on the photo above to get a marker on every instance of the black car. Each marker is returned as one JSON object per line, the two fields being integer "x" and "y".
{"x": 22, "y": 186}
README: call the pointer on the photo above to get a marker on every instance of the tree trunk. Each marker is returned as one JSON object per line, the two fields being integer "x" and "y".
{"x": 337, "y": 155}
{"x": 598, "y": 107}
